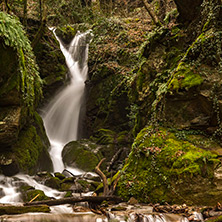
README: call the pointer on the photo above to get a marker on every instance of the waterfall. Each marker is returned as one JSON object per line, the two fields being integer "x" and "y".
{"x": 61, "y": 117}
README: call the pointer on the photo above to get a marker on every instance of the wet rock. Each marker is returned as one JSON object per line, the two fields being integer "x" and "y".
{"x": 52, "y": 64}
{"x": 80, "y": 209}
{"x": 82, "y": 154}
{"x": 133, "y": 201}
{"x": 60, "y": 175}
{"x": 30, "y": 194}
{"x": 213, "y": 213}
{"x": 9, "y": 166}
{"x": 53, "y": 182}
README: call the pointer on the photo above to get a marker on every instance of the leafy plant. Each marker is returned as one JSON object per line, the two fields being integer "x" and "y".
{"x": 13, "y": 35}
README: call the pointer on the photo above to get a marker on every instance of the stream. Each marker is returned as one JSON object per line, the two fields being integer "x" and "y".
{"x": 61, "y": 119}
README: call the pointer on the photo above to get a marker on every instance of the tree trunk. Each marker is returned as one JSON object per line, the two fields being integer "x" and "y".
{"x": 9, "y": 209}
{"x": 43, "y": 16}
{"x": 186, "y": 12}
{"x": 25, "y": 13}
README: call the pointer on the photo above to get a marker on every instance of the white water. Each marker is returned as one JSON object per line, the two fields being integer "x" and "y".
{"x": 10, "y": 187}
{"x": 61, "y": 117}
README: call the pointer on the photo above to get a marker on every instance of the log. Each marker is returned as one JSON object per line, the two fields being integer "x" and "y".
{"x": 10, "y": 209}
{"x": 72, "y": 200}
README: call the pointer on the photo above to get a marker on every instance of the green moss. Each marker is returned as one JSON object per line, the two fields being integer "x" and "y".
{"x": 33, "y": 193}
{"x": 68, "y": 194}
{"x": 157, "y": 160}
{"x": 218, "y": 219}
{"x": 27, "y": 150}
{"x": 184, "y": 77}
{"x": 66, "y": 33}
{"x": 9, "y": 210}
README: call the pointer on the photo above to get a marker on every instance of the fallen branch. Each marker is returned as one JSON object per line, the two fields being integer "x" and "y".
{"x": 103, "y": 177}
{"x": 72, "y": 200}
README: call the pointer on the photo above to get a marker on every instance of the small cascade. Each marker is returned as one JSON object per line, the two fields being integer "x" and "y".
{"x": 8, "y": 190}
{"x": 61, "y": 117}
{"x": 144, "y": 217}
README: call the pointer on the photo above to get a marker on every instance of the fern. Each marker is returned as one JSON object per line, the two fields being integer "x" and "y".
{"x": 13, "y": 35}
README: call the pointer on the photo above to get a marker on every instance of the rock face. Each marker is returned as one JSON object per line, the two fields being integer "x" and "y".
{"x": 23, "y": 140}
{"x": 51, "y": 64}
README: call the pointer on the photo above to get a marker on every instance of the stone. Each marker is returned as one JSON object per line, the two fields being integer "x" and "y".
{"x": 133, "y": 201}
{"x": 60, "y": 175}
{"x": 53, "y": 182}
{"x": 82, "y": 154}
{"x": 9, "y": 167}
{"x": 10, "y": 124}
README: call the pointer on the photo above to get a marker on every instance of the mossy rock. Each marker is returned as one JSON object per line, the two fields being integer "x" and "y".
{"x": 30, "y": 194}
{"x": 53, "y": 182}
{"x": 82, "y": 154}
{"x": 66, "y": 33}
{"x": 185, "y": 77}
{"x": 164, "y": 167}
{"x": 59, "y": 175}
{"x": 11, "y": 119}
{"x": 30, "y": 152}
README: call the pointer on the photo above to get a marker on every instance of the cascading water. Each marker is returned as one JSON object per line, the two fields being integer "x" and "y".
{"x": 62, "y": 114}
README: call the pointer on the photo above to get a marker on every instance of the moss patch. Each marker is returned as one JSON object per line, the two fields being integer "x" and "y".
{"x": 184, "y": 77}
{"x": 158, "y": 161}
{"x": 33, "y": 193}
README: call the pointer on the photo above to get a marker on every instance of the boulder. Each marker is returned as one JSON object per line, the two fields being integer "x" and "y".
{"x": 82, "y": 154}
{"x": 30, "y": 153}
{"x": 172, "y": 166}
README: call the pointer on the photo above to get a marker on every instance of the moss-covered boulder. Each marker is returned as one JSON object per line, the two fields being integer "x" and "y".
{"x": 82, "y": 154}
{"x": 173, "y": 167}
{"x": 30, "y": 153}
{"x": 30, "y": 194}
